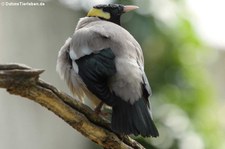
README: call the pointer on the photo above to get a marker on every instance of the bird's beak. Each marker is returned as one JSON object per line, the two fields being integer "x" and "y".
{"x": 128, "y": 8}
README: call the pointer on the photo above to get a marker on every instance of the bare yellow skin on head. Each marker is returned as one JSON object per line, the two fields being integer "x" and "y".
{"x": 98, "y": 13}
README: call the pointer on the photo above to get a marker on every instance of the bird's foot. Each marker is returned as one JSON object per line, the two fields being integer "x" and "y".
{"x": 98, "y": 110}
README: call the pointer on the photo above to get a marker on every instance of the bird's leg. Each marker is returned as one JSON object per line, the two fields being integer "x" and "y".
{"x": 98, "y": 108}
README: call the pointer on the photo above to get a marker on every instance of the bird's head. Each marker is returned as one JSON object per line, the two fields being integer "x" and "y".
{"x": 110, "y": 12}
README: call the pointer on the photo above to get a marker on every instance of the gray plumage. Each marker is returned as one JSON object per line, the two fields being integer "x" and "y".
{"x": 93, "y": 35}
{"x": 90, "y": 37}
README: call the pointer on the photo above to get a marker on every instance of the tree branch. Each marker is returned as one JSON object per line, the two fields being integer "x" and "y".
{"x": 24, "y": 81}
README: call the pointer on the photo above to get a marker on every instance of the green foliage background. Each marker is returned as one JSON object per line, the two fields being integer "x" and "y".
{"x": 183, "y": 97}
{"x": 175, "y": 61}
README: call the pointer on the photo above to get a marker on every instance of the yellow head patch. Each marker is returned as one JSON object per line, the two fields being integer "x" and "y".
{"x": 98, "y": 13}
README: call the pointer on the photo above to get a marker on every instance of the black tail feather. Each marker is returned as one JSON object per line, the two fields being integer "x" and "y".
{"x": 133, "y": 119}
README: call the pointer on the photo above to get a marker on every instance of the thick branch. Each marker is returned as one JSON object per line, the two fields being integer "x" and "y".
{"x": 24, "y": 81}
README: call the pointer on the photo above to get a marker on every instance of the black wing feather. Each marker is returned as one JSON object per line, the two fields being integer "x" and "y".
{"x": 127, "y": 118}
{"x": 95, "y": 70}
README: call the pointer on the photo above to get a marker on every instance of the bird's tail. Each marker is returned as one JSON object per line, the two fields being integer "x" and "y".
{"x": 133, "y": 119}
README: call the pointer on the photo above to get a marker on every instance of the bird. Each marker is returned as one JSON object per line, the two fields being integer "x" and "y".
{"x": 105, "y": 63}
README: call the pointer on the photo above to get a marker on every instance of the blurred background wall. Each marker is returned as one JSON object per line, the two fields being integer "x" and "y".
{"x": 183, "y": 44}
{"x": 33, "y": 36}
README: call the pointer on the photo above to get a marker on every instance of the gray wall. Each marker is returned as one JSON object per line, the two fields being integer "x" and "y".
{"x": 33, "y": 36}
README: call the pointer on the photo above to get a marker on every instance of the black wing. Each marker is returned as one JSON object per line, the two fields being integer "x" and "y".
{"x": 95, "y": 70}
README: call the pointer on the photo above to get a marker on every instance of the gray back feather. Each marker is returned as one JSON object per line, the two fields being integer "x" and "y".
{"x": 92, "y": 35}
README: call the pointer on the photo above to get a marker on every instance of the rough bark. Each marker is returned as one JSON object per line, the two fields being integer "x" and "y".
{"x": 24, "y": 81}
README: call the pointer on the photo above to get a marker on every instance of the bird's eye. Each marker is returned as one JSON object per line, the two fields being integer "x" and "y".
{"x": 105, "y": 9}
{"x": 116, "y": 11}
{"x": 113, "y": 9}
